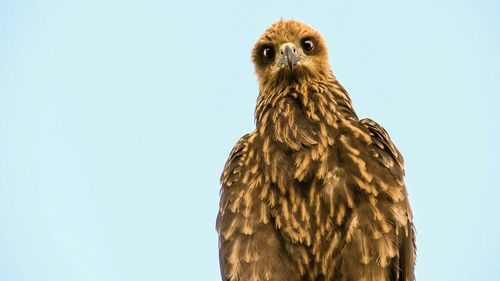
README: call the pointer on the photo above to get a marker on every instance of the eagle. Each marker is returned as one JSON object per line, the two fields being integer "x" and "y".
{"x": 313, "y": 193}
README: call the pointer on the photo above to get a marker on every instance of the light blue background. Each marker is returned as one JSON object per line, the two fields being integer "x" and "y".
{"x": 116, "y": 118}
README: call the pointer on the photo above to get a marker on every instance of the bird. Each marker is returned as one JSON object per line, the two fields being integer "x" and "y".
{"x": 313, "y": 193}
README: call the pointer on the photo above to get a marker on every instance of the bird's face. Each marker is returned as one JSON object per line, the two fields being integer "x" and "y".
{"x": 289, "y": 51}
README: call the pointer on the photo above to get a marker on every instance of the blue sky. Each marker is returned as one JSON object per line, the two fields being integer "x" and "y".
{"x": 116, "y": 118}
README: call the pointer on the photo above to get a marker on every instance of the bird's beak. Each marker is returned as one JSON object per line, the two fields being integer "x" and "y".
{"x": 289, "y": 56}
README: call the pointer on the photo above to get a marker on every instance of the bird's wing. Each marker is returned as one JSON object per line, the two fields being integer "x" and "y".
{"x": 250, "y": 247}
{"x": 407, "y": 255}
{"x": 388, "y": 155}
{"x": 230, "y": 175}
{"x": 234, "y": 162}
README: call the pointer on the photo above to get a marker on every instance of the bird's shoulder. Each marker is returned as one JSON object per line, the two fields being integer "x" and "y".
{"x": 235, "y": 160}
{"x": 382, "y": 147}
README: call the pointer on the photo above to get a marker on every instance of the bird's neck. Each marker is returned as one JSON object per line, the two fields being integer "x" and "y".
{"x": 296, "y": 113}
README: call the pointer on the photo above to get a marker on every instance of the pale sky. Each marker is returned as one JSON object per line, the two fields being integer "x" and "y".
{"x": 116, "y": 118}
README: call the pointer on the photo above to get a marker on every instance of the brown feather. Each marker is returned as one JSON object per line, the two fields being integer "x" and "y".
{"x": 313, "y": 193}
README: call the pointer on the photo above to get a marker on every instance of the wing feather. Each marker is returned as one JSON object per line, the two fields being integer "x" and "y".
{"x": 250, "y": 247}
{"x": 388, "y": 155}
{"x": 386, "y": 151}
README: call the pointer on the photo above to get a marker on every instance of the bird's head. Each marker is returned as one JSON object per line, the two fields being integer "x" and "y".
{"x": 288, "y": 52}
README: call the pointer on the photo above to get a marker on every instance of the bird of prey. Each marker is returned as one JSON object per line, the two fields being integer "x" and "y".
{"x": 313, "y": 193}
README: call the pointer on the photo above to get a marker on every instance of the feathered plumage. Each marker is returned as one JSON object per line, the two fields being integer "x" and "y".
{"x": 313, "y": 193}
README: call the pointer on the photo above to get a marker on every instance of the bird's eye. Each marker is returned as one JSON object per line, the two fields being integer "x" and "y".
{"x": 307, "y": 45}
{"x": 268, "y": 53}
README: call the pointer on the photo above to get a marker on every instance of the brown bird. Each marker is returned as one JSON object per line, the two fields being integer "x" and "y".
{"x": 313, "y": 193}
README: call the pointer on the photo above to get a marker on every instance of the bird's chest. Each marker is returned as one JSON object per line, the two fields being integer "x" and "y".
{"x": 310, "y": 202}
{"x": 311, "y": 196}
{"x": 312, "y": 190}
{"x": 312, "y": 172}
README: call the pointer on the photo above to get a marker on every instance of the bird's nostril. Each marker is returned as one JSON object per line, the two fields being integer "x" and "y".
{"x": 294, "y": 50}
{"x": 282, "y": 52}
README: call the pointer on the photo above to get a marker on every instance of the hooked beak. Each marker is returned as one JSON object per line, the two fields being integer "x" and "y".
{"x": 289, "y": 55}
